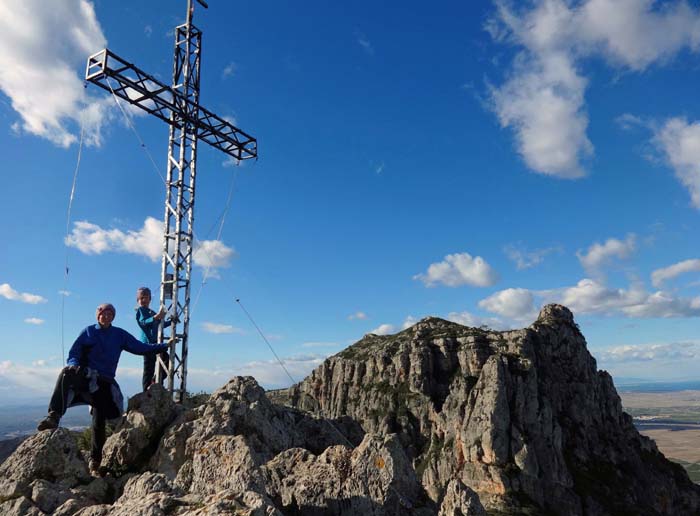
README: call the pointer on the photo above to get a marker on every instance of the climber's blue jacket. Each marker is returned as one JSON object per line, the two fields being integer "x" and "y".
{"x": 148, "y": 325}
{"x": 99, "y": 348}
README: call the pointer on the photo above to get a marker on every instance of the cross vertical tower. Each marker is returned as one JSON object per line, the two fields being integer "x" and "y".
{"x": 178, "y": 105}
{"x": 179, "y": 201}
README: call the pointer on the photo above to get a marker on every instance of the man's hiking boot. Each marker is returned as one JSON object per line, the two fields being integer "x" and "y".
{"x": 50, "y": 422}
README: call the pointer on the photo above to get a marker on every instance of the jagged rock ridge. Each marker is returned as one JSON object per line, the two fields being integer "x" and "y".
{"x": 522, "y": 417}
{"x": 237, "y": 454}
{"x": 438, "y": 419}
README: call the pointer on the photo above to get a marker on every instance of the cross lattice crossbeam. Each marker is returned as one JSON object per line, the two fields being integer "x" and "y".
{"x": 148, "y": 93}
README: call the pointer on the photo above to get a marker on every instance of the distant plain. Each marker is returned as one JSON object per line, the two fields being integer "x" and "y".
{"x": 672, "y": 419}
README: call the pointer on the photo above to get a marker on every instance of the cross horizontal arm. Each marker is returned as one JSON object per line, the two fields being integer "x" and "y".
{"x": 151, "y": 95}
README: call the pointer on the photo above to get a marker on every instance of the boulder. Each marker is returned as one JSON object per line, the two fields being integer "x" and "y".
{"x": 138, "y": 435}
{"x": 47, "y": 496}
{"x": 374, "y": 478}
{"x": 460, "y": 500}
{"x": 240, "y": 408}
{"x": 50, "y": 455}
{"x": 223, "y": 462}
{"x": 19, "y": 506}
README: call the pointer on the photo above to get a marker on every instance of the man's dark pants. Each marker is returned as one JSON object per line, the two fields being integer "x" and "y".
{"x": 101, "y": 401}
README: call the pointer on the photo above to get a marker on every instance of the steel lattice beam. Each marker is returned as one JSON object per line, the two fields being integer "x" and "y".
{"x": 148, "y": 93}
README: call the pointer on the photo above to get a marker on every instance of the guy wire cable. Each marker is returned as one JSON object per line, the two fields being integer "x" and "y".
{"x": 250, "y": 318}
{"x": 401, "y": 500}
{"x": 66, "y": 269}
{"x": 221, "y": 219}
{"x": 136, "y": 133}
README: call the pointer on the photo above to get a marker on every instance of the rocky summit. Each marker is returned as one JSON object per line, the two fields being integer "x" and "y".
{"x": 439, "y": 419}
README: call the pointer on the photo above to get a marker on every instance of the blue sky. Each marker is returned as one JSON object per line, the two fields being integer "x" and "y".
{"x": 471, "y": 161}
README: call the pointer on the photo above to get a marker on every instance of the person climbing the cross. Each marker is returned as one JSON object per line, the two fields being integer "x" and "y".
{"x": 148, "y": 320}
{"x": 89, "y": 375}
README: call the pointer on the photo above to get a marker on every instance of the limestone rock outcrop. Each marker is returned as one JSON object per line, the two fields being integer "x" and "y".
{"x": 51, "y": 457}
{"x": 459, "y": 499}
{"x": 138, "y": 435}
{"x": 523, "y": 418}
{"x": 236, "y": 454}
{"x": 437, "y": 419}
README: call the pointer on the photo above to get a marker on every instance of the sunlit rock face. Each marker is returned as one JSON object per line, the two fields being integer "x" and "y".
{"x": 438, "y": 419}
{"x": 523, "y": 417}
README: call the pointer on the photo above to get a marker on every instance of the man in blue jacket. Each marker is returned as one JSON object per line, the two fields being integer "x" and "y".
{"x": 89, "y": 376}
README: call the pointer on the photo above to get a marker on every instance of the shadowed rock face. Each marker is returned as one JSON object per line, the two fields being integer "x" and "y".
{"x": 438, "y": 419}
{"x": 521, "y": 417}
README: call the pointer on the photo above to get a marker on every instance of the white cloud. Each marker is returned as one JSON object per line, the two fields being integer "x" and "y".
{"x": 219, "y": 329}
{"x": 408, "y": 322}
{"x": 457, "y": 270}
{"x": 90, "y": 238}
{"x": 319, "y": 345}
{"x": 662, "y": 304}
{"x": 148, "y": 31}
{"x": 34, "y": 320}
{"x": 212, "y": 255}
{"x": 659, "y": 276}
{"x": 270, "y": 374}
{"x": 41, "y": 72}
{"x": 543, "y": 103}
{"x": 525, "y": 259}
{"x": 674, "y": 351}
{"x": 593, "y": 297}
{"x": 634, "y": 33}
{"x": 364, "y": 43}
{"x": 8, "y": 292}
{"x": 680, "y": 142}
{"x": 514, "y": 303}
{"x": 383, "y": 329}
{"x": 35, "y": 382}
{"x": 542, "y": 99}
{"x": 599, "y": 255}
{"x": 628, "y": 121}
{"x": 361, "y": 316}
{"x": 229, "y": 70}
{"x": 475, "y": 321}
{"x": 27, "y": 381}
